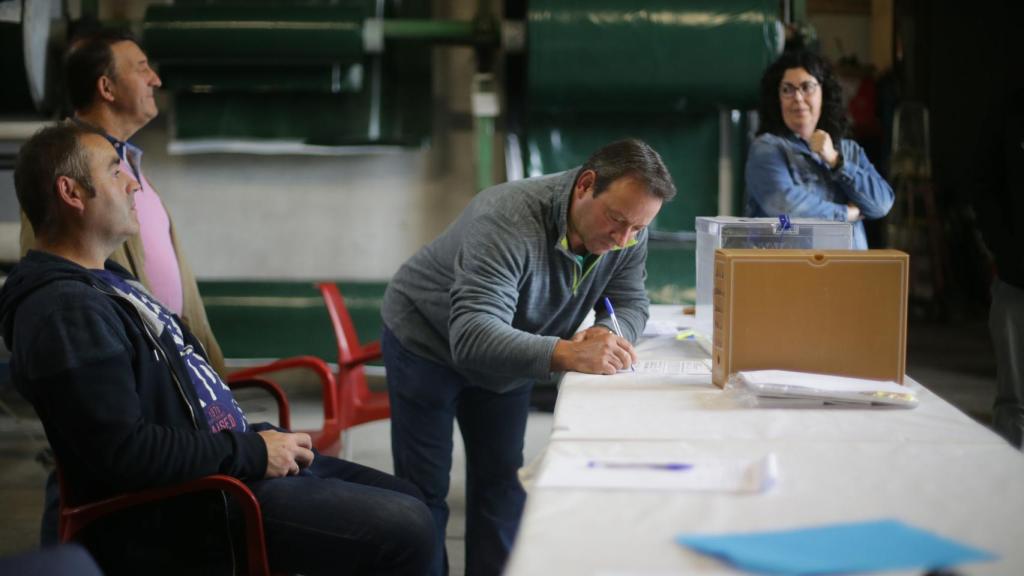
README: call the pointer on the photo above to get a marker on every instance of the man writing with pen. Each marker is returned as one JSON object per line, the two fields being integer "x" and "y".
{"x": 493, "y": 305}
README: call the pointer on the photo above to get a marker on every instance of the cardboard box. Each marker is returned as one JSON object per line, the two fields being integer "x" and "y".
{"x": 841, "y": 312}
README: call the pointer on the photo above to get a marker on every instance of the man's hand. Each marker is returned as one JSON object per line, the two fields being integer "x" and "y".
{"x": 594, "y": 351}
{"x": 592, "y": 332}
{"x": 821, "y": 144}
{"x": 287, "y": 452}
{"x": 853, "y": 213}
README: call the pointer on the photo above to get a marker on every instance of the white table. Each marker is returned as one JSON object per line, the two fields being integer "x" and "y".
{"x": 932, "y": 467}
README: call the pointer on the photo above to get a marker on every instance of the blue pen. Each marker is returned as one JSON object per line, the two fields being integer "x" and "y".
{"x": 667, "y": 466}
{"x": 615, "y": 323}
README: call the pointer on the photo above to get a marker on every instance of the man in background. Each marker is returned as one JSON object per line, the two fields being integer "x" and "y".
{"x": 110, "y": 87}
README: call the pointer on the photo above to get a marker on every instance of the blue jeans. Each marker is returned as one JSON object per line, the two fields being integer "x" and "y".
{"x": 338, "y": 517}
{"x": 67, "y": 560}
{"x": 426, "y": 399}
{"x": 48, "y": 530}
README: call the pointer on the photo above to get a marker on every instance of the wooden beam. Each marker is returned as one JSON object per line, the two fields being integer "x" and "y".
{"x": 862, "y": 7}
{"x": 881, "y": 34}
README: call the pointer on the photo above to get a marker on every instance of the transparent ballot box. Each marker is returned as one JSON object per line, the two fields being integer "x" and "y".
{"x": 714, "y": 232}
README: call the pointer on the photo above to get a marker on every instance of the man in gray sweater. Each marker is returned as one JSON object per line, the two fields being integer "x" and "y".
{"x": 492, "y": 305}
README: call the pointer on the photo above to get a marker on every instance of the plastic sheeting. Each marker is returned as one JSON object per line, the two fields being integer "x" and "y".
{"x": 291, "y": 78}
{"x": 275, "y": 32}
{"x": 600, "y": 70}
{"x": 667, "y": 55}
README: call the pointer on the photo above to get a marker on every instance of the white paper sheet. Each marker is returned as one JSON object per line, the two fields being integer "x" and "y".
{"x": 662, "y": 328}
{"x": 675, "y": 367}
{"x": 671, "y": 367}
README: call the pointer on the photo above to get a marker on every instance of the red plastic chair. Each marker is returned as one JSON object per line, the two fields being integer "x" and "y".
{"x": 347, "y": 400}
{"x": 358, "y": 404}
{"x": 74, "y": 519}
{"x": 284, "y": 411}
{"x": 328, "y": 438}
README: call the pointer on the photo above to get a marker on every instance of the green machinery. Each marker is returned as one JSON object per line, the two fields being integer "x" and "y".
{"x": 573, "y": 75}
{"x": 556, "y": 79}
{"x": 293, "y": 72}
{"x": 670, "y": 73}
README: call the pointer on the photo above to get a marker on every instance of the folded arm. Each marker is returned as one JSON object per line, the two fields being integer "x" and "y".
{"x": 862, "y": 184}
{"x": 771, "y": 185}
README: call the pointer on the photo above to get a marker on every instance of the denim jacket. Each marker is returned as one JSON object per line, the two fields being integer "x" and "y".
{"x": 785, "y": 177}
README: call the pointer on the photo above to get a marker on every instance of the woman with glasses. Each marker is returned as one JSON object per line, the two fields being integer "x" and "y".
{"x": 800, "y": 164}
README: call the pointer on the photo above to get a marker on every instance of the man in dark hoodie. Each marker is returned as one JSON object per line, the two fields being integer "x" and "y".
{"x": 129, "y": 401}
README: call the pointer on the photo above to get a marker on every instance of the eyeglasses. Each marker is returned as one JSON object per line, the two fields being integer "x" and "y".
{"x": 808, "y": 89}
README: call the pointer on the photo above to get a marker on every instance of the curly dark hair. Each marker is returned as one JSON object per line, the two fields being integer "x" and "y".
{"x": 833, "y": 117}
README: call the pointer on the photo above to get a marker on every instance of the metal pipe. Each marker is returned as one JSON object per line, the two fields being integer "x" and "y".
{"x": 485, "y": 109}
{"x": 279, "y": 34}
{"x": 440, "y": 31}
{"x": 485, "y": 152}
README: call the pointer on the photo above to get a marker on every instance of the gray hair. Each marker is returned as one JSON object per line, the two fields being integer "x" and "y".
{"x": 50, "y": 153}
{"x": 633, "y": 158}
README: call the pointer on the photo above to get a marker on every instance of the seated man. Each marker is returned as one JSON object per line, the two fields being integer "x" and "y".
{"x": 129, "y": 401}
{"x": 110, "y": 86}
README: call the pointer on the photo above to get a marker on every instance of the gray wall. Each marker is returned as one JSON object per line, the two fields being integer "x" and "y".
{"x": 299, "y": 217}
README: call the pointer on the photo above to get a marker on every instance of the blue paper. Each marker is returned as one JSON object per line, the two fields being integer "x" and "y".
{"x": 836, "y": 548}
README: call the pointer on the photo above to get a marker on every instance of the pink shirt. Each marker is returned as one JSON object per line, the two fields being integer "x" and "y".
{"x": 155, "y": 230}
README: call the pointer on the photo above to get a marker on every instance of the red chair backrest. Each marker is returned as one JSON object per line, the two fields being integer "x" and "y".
{"x": 344, "y": 330}
{"x": 357, "y": 404}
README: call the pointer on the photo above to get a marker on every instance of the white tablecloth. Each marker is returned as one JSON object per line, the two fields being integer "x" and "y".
{"x": 932, "y": 467}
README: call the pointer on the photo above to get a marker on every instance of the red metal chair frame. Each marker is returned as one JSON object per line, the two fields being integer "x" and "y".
{"x": 328, "y": 438}
{"x": 284, "y": 411}
{"x": 74, "y": 519}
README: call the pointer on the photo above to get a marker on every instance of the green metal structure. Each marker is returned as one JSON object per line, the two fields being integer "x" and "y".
{"x": 284, "y": 71}
{"x": 657, "y": 55}
{"x": 674, "y": 73}
{"x": 600, "y": 70}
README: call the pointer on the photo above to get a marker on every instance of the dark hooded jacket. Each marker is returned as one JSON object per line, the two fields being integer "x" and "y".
{"x": 117, "y": 404}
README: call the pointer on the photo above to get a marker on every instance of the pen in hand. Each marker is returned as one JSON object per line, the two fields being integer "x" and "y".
{"x": 615, "y": 324}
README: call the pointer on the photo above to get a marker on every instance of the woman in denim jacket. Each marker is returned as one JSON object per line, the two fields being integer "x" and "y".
{"x": 794, "y": 166}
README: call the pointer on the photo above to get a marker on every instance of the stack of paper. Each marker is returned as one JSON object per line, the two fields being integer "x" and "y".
{"x": 823, "y": 388}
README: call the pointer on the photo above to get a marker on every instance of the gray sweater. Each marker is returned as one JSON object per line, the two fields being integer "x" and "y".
{"x": 494, "y": 292}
